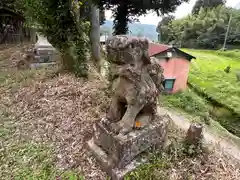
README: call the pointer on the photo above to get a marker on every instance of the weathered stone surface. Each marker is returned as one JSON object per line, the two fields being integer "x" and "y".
{"x": 45, "y": 52}
{"x": 123, "y": 148}
{"x": 131, "y": 125}
{"x": 136, "y": 80}
{"x": 106, "y": 164}
{"x": 120, "y": 154}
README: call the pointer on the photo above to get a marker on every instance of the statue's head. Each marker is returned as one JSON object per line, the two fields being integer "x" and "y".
{"x": 123, "y": 49}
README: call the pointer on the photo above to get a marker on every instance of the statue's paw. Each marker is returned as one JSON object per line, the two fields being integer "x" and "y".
{"x": 105, "y": 121}
{"x": 125, "y": 128}
{"x": 125, "y": 131}
{"x": 115, "y": 128}
{"x": 119, "y": 128}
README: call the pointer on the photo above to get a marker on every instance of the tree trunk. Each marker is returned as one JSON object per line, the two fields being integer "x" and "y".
{"x": 121, "y": 19}
{"x": 95, "y": 36}
{"x": 67, "y": 60}
{"x": 75, "y": 8}
{"x": 33, "y": 36}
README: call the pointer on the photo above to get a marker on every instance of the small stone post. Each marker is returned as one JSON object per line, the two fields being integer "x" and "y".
{"x": 194, "y": 134}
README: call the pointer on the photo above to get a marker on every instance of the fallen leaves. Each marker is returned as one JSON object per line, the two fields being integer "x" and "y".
{"x": 61, "y": 112}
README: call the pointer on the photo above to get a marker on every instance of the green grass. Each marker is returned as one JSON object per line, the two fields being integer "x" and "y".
{"x": 15, "y": 79}
{"x": 190, "y": 102}
{"x": 234, "y": 54}
{"x": 175, "y": 155}
{"x": 208, "y": 76}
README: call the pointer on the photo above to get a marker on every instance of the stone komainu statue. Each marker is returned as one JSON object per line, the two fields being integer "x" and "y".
{"x": 136, "y": 81}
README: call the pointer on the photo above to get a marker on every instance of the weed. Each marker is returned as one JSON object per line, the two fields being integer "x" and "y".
{"x": 161, "y": 163}
{"x": 187, "y": 100}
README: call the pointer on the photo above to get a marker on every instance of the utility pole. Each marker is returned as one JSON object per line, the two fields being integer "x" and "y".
{"x": 226, "y": 35}
{"x": 229, "y": 23}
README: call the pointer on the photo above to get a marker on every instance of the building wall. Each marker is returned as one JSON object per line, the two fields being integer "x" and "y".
{"x": 177, "y": 68}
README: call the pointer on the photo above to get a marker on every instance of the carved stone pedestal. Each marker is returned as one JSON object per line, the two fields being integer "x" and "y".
{"x": 120, "y": 154}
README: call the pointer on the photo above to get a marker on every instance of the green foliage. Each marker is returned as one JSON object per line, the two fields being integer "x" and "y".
{"x": 190, "y": 102}
{"x": 61, "y": 22}
{"x": 163, "y": 24}
{"x": 233, "y": 54}
{"x": 206, "y": 29}
{"x": 160, "y": 164}
{"x": 7, "y": 3}
{"x": 206, "y": 4}
{"x": 149, "y": 171}
{"x": 71, "y": 175}
{"x": 207, "y": 75}
{"x": 124, "y": 12}
{"x": 31, "y": 161}
{"x": 14, "y": 5}
{"x": 227, "y": 69}
{"x": 187, "y": 100}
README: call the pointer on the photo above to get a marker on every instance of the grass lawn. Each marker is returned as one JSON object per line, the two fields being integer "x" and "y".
{"x": 207, "y": 75}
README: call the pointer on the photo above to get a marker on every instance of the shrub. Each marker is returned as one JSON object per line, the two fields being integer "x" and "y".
{"x": 187, "y": 100}
{"x": 64, "y": 26}
{"x": 227, "y": 69}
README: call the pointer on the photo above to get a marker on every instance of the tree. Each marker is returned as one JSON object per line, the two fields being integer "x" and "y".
{"x": 203, "y": 30}
{"x": 7, "y": 3}
{"x": 95, "y": 36}
{"x": 126, "y": 11}
{"x": 163, "y": 32}
{"x": 14, "y": 5}
{"x": 64, "y": 26}
{"x": 206, "y": 4}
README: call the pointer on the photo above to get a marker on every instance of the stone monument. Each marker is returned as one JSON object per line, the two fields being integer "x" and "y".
{"x": 44, "y": 50}
{"x": 131, "y": 125}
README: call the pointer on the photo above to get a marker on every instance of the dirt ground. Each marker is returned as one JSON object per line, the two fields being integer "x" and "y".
{"x": 40, "y": 108}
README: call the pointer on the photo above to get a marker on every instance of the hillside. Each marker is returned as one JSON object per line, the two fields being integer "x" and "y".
{"x": 47, "y": 117}
{"x": 136, "y": 29}
{"x": 208, "y": 75}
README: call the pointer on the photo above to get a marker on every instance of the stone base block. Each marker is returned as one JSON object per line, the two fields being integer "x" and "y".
{"x": 106, "y": 164}
{"x": 120, "y": 154}
{"x": 122, "y": 149}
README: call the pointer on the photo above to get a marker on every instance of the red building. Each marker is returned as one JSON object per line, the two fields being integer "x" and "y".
{"x": 176, "y": 65}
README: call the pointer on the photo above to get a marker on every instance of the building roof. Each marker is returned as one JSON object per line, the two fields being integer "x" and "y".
{"x": 155, "y": 49}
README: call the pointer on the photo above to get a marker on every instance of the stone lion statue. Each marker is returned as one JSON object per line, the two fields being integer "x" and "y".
{"x": 136, "y": 81}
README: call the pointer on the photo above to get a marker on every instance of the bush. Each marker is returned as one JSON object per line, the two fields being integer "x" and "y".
{"x": 187, "y": 100}
{"x": 66, "y": 29}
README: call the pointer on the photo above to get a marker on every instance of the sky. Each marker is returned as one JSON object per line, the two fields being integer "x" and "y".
{"x": 183, "y": 10}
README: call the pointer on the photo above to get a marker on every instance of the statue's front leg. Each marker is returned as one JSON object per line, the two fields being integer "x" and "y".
{"x": 127, "y": 123}
{"x": 114, "y": 114}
